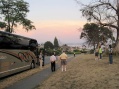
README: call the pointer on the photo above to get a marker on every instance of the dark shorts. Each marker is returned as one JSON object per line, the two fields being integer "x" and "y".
{"x": 63, "y": 62}
{"x": 96, "y": 54}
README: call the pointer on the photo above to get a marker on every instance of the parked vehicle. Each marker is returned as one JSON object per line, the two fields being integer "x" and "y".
{"x": 17, "y": 53}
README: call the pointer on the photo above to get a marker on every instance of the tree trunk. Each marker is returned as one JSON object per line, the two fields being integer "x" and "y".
{"x": 116, "y": 48}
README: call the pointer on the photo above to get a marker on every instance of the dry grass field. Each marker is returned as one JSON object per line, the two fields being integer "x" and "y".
{"x": 83, "y": 72}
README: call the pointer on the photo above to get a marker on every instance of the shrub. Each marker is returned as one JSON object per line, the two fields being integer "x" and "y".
{"x": 76, "y": 50}
{"x": 91, "y": 51}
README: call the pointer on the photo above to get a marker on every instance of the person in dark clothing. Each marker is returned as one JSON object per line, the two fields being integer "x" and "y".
{"x": 43, "y": 59}
{"x": 43, "y": 56}
{"x": 100, "y": 52}
{"x": 74, "y": 54}
{"x": 110, "y": 55}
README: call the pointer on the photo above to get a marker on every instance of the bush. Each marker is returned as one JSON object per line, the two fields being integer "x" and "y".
{"x": 50, "y": 51}
{"x": 70, "y": 52}
{"x": 73, "y": 52}
{"x": 76, "y": 50}
{"x": 83, "y": 51}
{"x": 58, "y": 52}
{"x": 91, "y": 51}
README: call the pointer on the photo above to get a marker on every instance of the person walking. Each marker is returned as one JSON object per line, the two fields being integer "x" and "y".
{"x": 110, "y": 55}
{"x": 40, "y": 60}
{"x": 43, "y": 56}
{"x": 100, "y": 52}
{"x": 52, "y": 60}
{"x": 63, "y": 57}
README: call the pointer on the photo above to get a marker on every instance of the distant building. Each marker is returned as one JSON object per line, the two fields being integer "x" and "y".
{"x": 69, "y": 48}
{"x": 65, "y": 48}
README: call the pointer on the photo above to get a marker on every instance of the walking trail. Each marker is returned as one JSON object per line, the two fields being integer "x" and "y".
{"x": 34, "y": 80}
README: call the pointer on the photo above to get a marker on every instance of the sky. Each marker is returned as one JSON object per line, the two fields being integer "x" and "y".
{"x": 55, "y": 18}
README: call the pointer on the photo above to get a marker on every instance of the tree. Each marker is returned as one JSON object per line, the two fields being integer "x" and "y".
{"x": 105, "y": 13}
{"x": 48, "y": 45}
{"x": 94, "y": 34}
{"x": 2, "y": 25}
{"x": 56, "y": 44}
{"x": 13, "y": 12}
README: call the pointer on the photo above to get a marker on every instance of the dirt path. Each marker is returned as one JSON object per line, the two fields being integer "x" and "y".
{"x": 83, "y": 72}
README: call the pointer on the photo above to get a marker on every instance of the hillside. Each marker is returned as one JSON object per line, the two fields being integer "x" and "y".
{"x": 83, "y": 72}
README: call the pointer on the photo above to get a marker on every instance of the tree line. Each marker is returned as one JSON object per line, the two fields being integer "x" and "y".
{"x": 52, "y": 47}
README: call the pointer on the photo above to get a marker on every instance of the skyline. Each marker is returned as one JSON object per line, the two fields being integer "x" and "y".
{"x": 54, "y": 18}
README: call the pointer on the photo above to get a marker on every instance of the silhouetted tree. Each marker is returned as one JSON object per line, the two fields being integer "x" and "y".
{"x": 48, "y": 45}
{"x": 13, "y": 12}
{"x": 94, "y": 34}
{"x": 105, "y": 13}
{"x": 56, "y": 44}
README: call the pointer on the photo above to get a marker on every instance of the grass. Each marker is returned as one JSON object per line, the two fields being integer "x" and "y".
{"x": 83, "y": 72}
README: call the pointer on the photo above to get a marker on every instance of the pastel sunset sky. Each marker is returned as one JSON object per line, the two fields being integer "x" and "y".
{"x": 55, "y": 18}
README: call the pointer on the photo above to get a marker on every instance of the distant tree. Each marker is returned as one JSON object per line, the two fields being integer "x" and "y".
{"x": 56, "y": 44}
{"x": 13, "y": 12}
{"x": 48, "y": 45}
{"x": 95, "y": 34}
